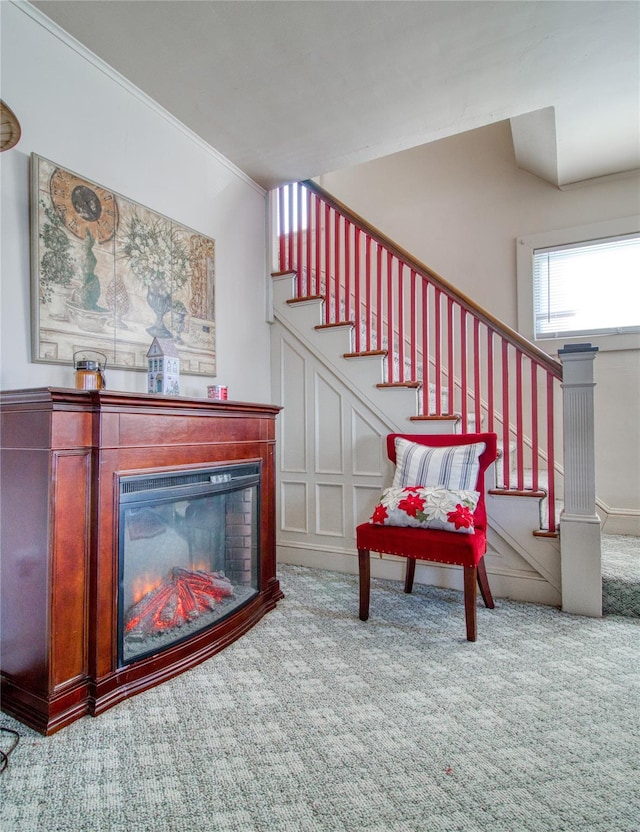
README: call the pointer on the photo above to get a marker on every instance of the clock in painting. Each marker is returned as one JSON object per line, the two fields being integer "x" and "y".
{"x": 84, "y": 206}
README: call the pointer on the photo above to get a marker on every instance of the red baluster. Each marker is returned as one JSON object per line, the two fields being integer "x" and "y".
{"x": 347, "y": 270}
{"x": 551, "y": 492}
{"x": 282, "y": 264}
{"x": 506, "y": 451}
{"x": 450, "y": 356}
{"x": 413, "y": 342}
{"x": 401, "y": 344}
{"x": 490, "y": 391}
{"x": 477, "y": 397}
{"x": 390, "y": 341}
{"x": 368, "y": 299}
{"x": 318, "y": 235}
{"x": 519, "y": 422}
{"x": 463, "y": 371}
{"x": 535, "y": 478}
{"x": 438, "y": 351}
{"x": 379, "y": 304}
{"x": 426, "y": 393}
{"x": 356, "y": 289}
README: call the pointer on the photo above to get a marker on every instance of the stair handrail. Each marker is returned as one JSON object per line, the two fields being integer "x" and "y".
{"x": 511, "y": 335}
{"x": 337, "y": 242}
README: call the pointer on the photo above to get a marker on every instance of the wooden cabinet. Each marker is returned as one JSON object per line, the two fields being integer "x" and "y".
{"x": 62, "y": 454}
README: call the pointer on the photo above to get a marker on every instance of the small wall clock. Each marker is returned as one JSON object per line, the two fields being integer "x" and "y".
{"x": 84, "y": 206}
{"x": 10, "y": 130}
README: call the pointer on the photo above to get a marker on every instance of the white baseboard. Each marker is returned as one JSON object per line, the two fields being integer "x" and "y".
{"x": 527, "y": 587}
{"x": 619, "y": 520}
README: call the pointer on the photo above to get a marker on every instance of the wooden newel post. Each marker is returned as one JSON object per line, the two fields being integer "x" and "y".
{"x": 581, "y": 571}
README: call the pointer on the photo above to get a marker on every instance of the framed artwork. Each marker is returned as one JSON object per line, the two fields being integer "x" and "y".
{"x": 110, "y": 275}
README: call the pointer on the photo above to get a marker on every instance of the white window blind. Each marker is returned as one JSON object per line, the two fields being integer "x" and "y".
{"x": 590, "y": 288}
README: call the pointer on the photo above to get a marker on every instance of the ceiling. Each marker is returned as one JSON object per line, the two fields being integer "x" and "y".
{"x": 290, "y": 90}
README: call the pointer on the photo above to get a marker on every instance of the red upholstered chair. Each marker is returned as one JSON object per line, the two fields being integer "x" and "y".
{"x": 439, "y": 546}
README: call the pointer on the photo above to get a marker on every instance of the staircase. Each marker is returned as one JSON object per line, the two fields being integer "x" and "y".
{"x": 402, "y": 350}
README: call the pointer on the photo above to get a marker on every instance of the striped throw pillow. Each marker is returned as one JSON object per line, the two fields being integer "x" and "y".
{"x": 455, "y": 467}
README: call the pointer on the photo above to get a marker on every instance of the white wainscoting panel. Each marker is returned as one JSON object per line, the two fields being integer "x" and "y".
{"x": 368, "y": 445}
{"x": 328, "y": 428}
{"x": 293, "y": 507}
{"x": 330, "y": 509}
{"x": 365, "y": 499}
{"x": 293, "y": 424}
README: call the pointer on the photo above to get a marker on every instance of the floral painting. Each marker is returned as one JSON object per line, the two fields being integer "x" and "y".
{"x": 109, "y": 275}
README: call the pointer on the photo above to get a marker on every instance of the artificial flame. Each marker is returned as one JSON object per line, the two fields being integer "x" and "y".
{"x": 144, "y": 584}
{"x": 183, "y": 596}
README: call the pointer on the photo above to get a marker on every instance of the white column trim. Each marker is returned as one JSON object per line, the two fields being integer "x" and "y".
{"x": 580, "y": 563}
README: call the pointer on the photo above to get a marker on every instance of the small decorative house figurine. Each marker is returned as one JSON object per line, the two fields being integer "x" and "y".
{"x": 164, "y": 367}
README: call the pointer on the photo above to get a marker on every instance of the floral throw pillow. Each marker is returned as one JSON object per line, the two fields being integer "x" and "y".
{"x": 427, "y": 507}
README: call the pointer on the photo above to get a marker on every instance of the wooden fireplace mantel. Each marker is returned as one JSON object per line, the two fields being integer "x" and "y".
{"x": 62, "y": 451}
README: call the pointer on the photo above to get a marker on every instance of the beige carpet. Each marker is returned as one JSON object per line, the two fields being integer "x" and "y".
{"x": 317, "y": 722}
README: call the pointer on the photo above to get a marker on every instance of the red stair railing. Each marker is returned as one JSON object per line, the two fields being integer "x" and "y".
{"x": 470, "y": 366}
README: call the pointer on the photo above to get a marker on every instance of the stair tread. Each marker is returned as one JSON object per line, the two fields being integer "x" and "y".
{"x": 364, "y": 353}
{"x": 429, "y": 417}
{"x": 518, "y": 492}
{"x": 410, "y": 384}
{"x": 333, "y": 325}
{"x": 304, "y": 299}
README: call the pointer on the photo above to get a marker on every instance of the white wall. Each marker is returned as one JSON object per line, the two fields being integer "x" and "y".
{"x": 81, "y": 115}
{"x": 458, "y": 205}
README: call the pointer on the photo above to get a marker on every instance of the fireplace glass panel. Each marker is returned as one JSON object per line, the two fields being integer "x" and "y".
{"x": 188, "y": 554}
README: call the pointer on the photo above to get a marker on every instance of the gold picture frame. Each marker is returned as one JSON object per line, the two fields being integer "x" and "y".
{"x": 109, "y": 275}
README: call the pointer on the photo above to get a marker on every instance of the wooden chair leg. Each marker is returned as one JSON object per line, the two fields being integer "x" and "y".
{"x": 483, "y": 583}
{"x": 470, "y": 579}
{"x": 411, "y": 571}
{"x": 364, "y": 569}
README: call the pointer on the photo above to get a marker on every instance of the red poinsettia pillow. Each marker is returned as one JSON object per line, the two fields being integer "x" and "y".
{"x": 427, "y": 507}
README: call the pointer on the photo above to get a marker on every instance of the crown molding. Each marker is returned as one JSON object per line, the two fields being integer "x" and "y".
{"x": 136, "y": 92}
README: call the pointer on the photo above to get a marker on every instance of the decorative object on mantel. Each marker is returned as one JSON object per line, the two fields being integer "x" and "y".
{"x": 107, "y": 273}
{"x": 10, "y": 130}
{"x": 164, "y": 367}
{"x": 89, "y": 372}
{"x": 217, "y": 391}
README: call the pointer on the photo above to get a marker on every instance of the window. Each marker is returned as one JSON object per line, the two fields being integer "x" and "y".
{"x": 590, "y": 288}
{"x": 601, "y": 305}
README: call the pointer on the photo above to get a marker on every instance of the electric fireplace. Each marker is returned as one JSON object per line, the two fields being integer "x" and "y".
{"x": 188, "y": 553}
{"x": 137, "y": 540}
